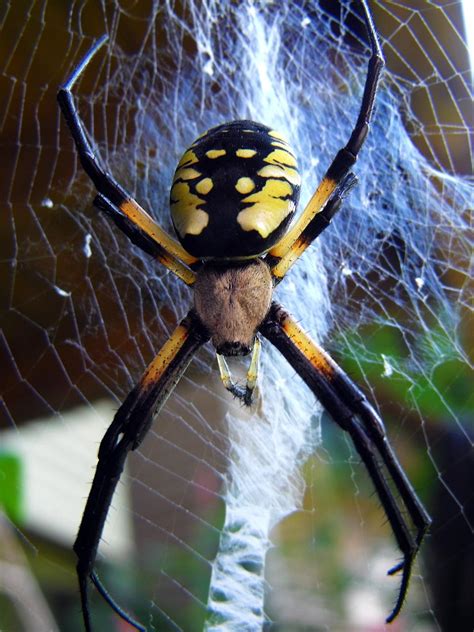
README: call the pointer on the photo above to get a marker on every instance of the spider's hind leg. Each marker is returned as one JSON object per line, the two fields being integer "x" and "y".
{"x": 352, "y": 412}
{"x": 128, "y": 429}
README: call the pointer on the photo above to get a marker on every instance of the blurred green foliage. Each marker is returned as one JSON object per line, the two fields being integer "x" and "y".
{"x": 439, "y": 384}
{"x": 11, "y": 485}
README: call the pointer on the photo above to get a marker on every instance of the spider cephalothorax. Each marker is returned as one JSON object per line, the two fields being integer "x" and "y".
{"x": 233, "y": 195}
{"x": 232, "y": 302}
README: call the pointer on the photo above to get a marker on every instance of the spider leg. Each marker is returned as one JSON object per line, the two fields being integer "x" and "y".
{"x": 121, "y": 204}
{"x": 142, "y": 240}
{"x": 338, "y": 180}
{"x": 373, "y": 426}
{"x": 128, "y": 429}
{"x": 350, "y": 409}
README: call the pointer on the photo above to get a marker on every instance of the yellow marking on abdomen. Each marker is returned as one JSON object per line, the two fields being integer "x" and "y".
{"x": 188, "y": 158}
{"x": 186, "y": 173}
{"x": 215, "y": 153}
{"x": 245, "y": 185}
{"x": 277, "y": 135}
{"x": 269, "y": 208}
{"x": 245, "y": 153}
{"x": 204, "y": 186}
{"x": 281, "y": 156}
{"x": 187, "y": 217}
{"x": 282, "y": 144}
{"x": 280, "y": 171}
{"x": 277, "y": 188}
{"x": 314, "y": 206}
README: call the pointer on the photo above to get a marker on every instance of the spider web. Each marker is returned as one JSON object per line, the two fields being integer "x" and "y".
{"x": 238, "y": 517}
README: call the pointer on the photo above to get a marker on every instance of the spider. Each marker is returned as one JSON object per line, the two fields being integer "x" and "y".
{"x": 234, "y": 193}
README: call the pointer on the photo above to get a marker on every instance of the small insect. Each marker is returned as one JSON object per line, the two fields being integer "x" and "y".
{"x": 234, "y": 193}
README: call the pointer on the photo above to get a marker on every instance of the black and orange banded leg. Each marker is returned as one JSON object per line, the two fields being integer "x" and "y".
{"x": 350, "y": 409}
{"x": 338, "y": 179}
{"x": 128, "y": 429}
{"x": 127, "y": 214}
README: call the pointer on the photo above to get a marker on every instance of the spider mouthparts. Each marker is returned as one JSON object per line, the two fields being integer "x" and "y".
{"x": 233, "y": 349}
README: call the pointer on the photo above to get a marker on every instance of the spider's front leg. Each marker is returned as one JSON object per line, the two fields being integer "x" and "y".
{"x": 127, "y": 431}
{"x": 338, "y": 179}
{"x": 350, "y": 409}
{"x": 113, "y": 200}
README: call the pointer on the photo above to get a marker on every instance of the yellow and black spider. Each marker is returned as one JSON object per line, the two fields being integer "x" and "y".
{"x": 234, "y": 193}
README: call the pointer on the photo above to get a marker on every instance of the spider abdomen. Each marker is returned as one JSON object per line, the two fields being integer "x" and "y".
{"x": 234, "y": 191}
{"x": 232, "y": 302}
